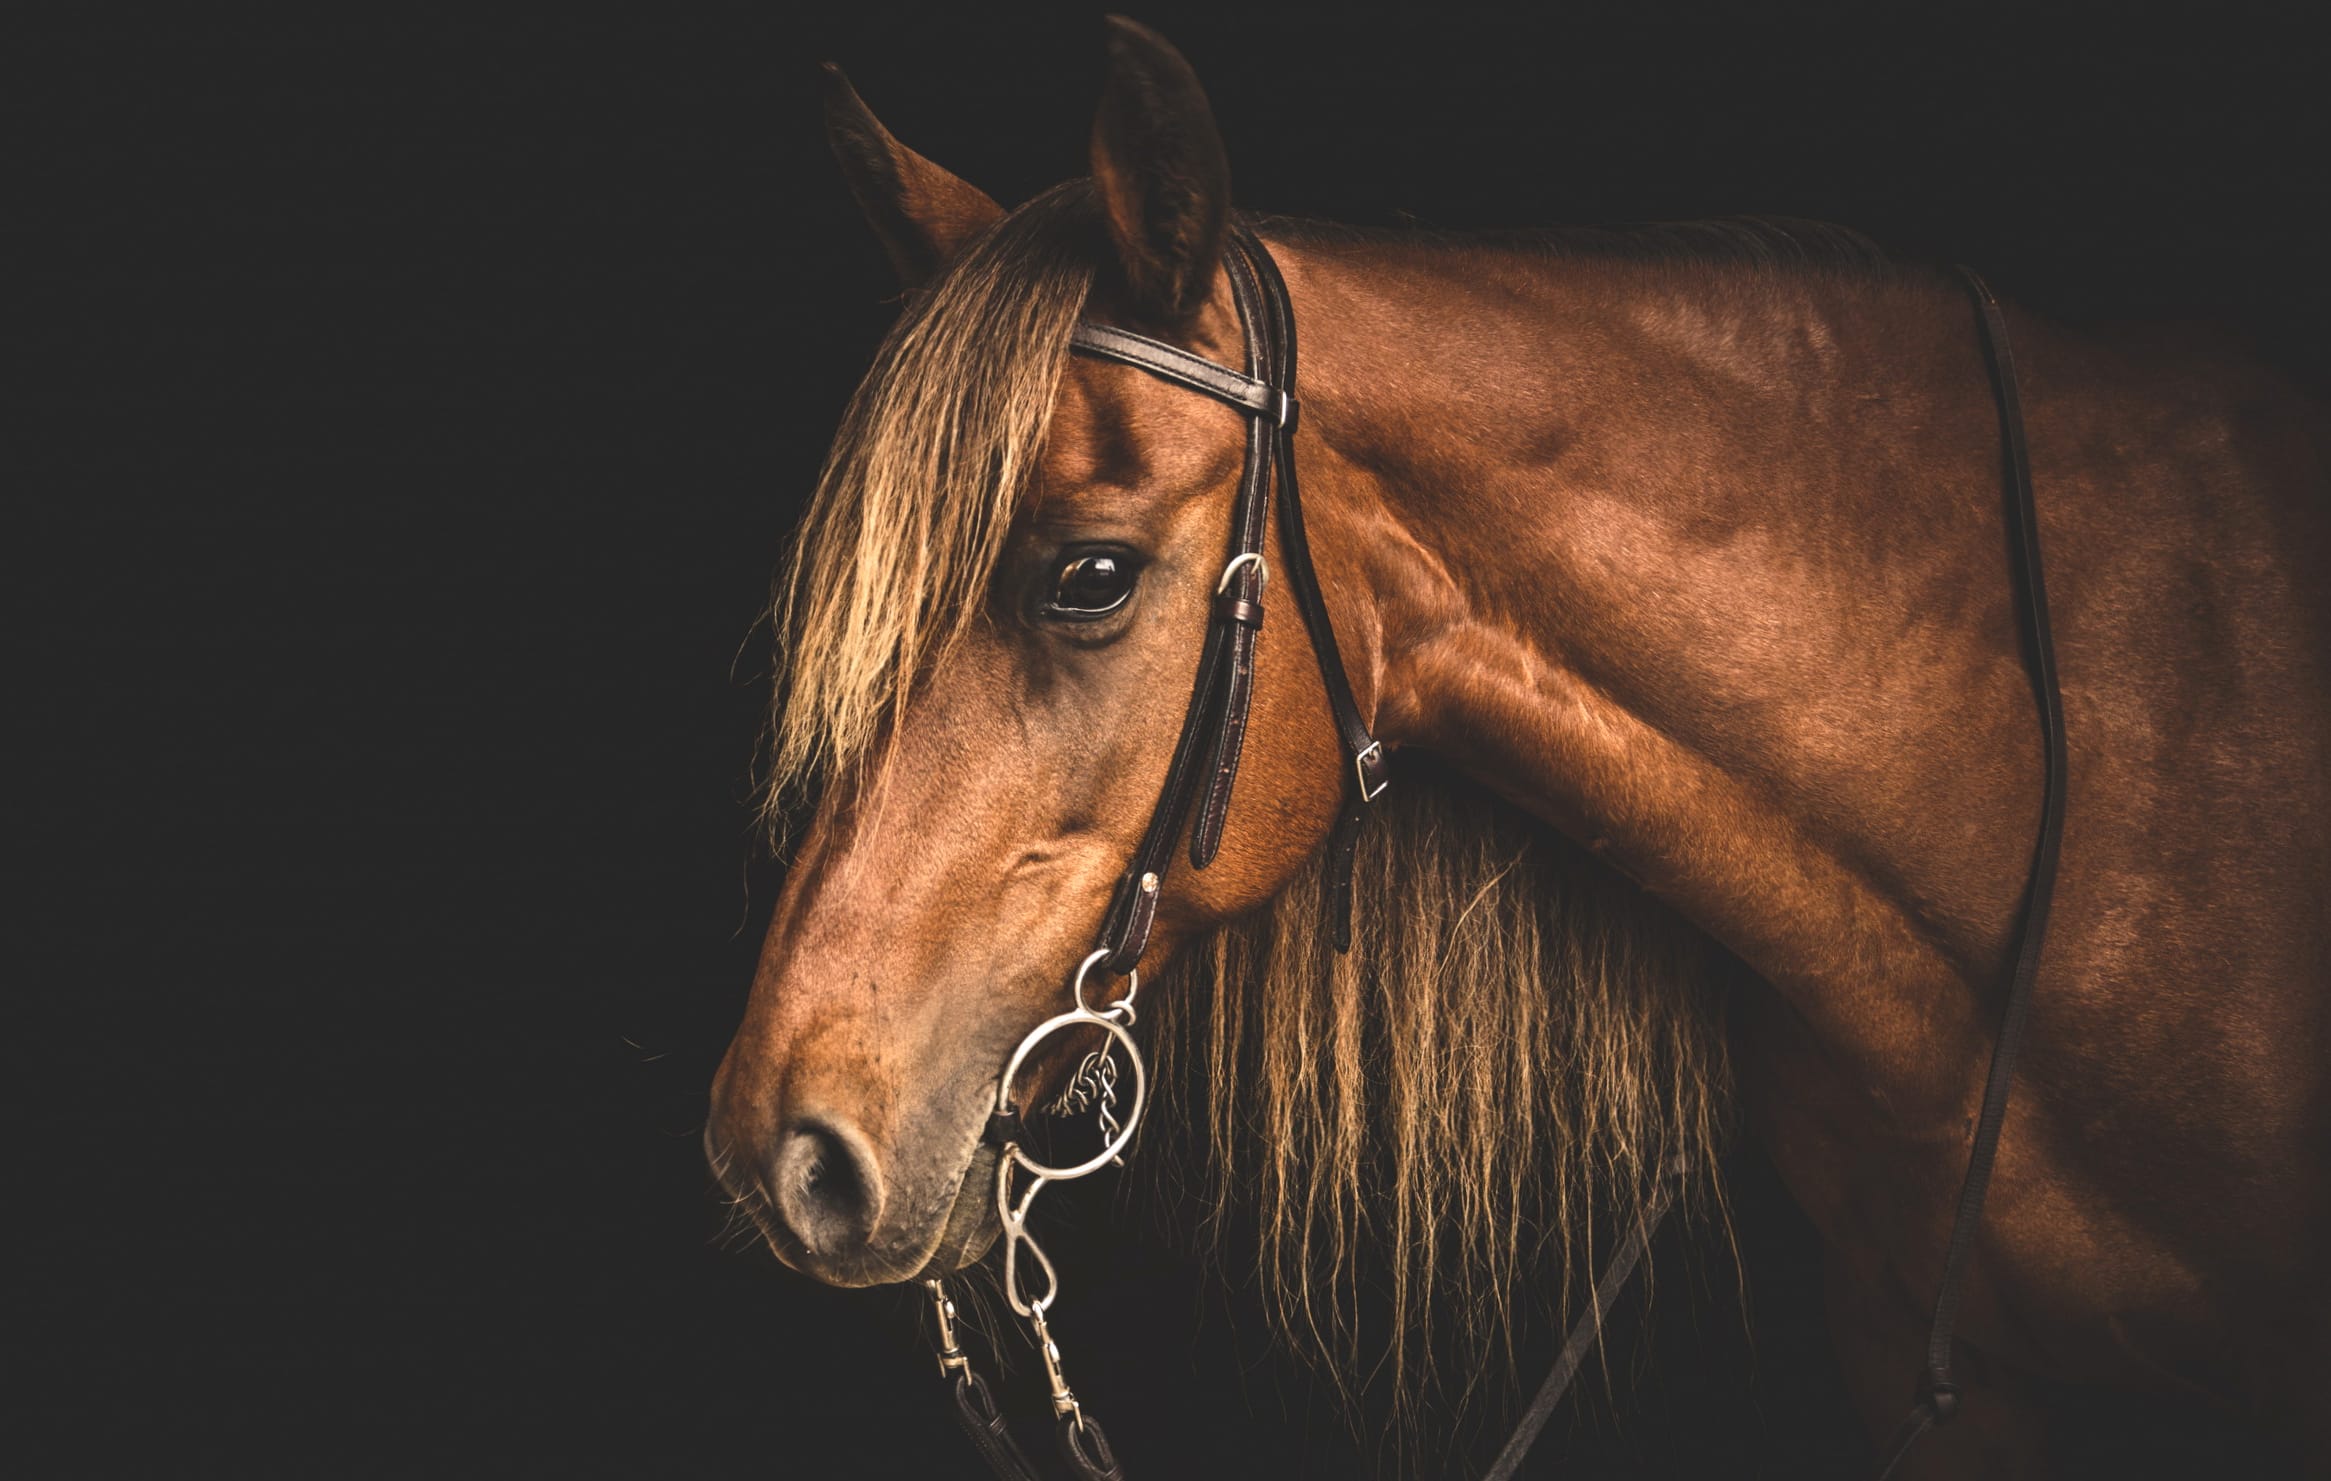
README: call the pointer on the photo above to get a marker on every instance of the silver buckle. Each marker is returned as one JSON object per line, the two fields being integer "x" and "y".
{"x": 1360, "y": 764}
{"x": 1239, "y": 563}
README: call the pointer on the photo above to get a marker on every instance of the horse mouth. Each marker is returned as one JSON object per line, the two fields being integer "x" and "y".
{"x": 971, "y": 1226}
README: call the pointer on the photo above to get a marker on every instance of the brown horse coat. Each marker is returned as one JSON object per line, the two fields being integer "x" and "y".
{"x": 1705, "y": 564}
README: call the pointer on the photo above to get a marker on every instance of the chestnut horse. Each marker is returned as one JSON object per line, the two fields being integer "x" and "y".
{"x": 1686, "y": 548}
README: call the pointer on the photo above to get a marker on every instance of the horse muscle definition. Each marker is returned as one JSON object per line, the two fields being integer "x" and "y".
{"x": 1675, "y": 567}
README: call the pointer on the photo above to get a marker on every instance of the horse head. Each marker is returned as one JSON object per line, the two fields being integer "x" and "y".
{"x": 989, "y": 632}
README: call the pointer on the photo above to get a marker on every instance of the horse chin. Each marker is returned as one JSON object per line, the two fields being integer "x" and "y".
{"x": 972, "y": 1226}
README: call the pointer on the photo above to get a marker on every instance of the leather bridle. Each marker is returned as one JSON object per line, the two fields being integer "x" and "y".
{"x": 1205, "y": 758}
{"x": 1199, "y": 781}
{"x": 1201, "y": 776}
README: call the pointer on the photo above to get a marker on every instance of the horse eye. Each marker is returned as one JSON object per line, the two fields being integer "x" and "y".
{"x": 1088, "y": 586}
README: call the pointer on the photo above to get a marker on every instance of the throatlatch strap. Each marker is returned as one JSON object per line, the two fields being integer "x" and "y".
{"x": 1367, "y": 758}
{"x": 1937, "y": 1397}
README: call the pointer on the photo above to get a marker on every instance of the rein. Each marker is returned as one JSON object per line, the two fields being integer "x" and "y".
{"x": 1200, "y": 777}
{"x": 1937, "y": 1397}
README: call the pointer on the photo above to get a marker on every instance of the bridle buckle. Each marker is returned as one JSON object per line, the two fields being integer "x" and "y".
{"x": 1371, "y": 763}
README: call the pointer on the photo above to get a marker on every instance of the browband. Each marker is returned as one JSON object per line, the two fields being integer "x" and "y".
{"x": 1206, "y": 754}
{"x": 1173, "y": 363}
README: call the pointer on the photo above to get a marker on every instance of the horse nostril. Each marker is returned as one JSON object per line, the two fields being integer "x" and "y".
{"x": 827, "y": 1188}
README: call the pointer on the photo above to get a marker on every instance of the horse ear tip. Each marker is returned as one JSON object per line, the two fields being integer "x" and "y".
{"x": 1125, "y": 36}
{"x": 845, "y": 111}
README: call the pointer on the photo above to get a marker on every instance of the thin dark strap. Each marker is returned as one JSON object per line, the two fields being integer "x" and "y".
{"x": 1087, "y": 1450}
{"x": 1938, "y": 1397}
{"x": 1582, "y": 1335}
{"x": 1239, "y": 604}
{"x": 1133, "y": 910}
{"x": 983, "y": 1424}
{"x": 1370, "y": 766}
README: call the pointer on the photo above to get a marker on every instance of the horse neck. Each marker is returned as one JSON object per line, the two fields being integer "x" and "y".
{"x": 1706, "y": 567}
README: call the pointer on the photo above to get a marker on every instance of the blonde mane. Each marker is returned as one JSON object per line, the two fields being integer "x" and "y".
{"x": 1516, "y": 1047}
{"x": 1519, "y": 1040}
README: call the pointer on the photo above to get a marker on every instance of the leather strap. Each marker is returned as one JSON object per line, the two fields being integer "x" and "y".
{"x": 1583, "y": 1333}
{"x": 983, "y": 1424}
{"x": 1371, "y": 768}
{"x": 1203, "y": 769}
{"x": 1173, "y": 363}
{"x": 1370, "y": 764}
{"x": 1086, "y": 1449}
{"x": 1937, "y": 1397}
{"x": 1245, "y": 572}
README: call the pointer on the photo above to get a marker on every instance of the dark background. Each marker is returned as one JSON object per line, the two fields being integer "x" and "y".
{"x": 409, "y": 410}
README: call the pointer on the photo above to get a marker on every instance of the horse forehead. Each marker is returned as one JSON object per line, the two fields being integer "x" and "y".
{"x": 1115, "y": 428}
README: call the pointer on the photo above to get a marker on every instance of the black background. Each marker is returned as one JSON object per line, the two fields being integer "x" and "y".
{"x": 415, "y": 406}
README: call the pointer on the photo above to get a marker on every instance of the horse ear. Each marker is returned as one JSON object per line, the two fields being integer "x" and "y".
{"x": 921, "y": 214}
{"x": 1163, "y": 179}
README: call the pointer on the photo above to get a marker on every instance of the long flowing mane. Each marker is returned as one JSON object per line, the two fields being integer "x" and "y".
{"x": 1518, "y": 1043}
{"x": 1518, "y": 1046}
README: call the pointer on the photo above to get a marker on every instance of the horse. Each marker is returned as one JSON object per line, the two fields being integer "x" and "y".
{"x": 1671, "y": 567}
